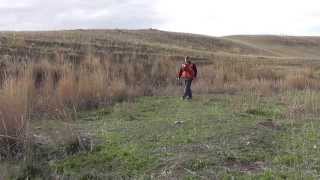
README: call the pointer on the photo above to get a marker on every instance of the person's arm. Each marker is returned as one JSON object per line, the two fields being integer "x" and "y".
{"x": 180, "y": 73}
{"x": 195, "y": 70}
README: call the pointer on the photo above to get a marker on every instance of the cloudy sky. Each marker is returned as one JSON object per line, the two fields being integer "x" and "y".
{"x": 211, "y": 17}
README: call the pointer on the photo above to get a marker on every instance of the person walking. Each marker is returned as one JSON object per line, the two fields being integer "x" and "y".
{"x": 188, "y": 72}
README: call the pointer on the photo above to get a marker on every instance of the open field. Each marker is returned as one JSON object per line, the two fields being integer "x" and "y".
{"x": 104, "y": 104}
{"x": 212, "y": 137}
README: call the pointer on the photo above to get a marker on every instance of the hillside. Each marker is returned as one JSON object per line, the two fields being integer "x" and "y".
{"x": 76, "y": 43}
{"x": 106, "y": 104}
{"x": 287, "y": 46}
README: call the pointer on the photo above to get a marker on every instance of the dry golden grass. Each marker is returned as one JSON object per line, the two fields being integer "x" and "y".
{"x": 302, "y": 104}
{"x": 76, "y": 76}
{"x": 13, "y": 115}
{"x": 52, "y": 87}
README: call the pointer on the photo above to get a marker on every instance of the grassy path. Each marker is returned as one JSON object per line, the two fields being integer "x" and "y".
{"x": 210, "y": 137}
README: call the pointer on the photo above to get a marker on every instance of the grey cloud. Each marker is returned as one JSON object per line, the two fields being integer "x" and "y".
{"x": 61, "y": 14}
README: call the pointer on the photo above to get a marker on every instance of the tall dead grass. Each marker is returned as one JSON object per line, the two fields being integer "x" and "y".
{"x": 233, "y": 76}
{"x": 302, "y": 104}
{"x": 13, "y": 116}
{"x": 93, "y": 82}
{"x": 52, "y": 88}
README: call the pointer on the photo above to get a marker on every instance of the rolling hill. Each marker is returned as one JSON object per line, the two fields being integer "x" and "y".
{"x": 76, "y": 43}
{"x": 105, "y": 104}
{"x": 283, "y": 45}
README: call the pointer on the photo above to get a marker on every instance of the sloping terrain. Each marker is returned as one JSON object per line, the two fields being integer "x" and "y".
{"x": 77, "y": 43}
{"x": 253, "y": 117}
{"x": 286, "y": 46}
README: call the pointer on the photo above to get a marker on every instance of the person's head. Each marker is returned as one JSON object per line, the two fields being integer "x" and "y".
{"x": 187, "y": 60}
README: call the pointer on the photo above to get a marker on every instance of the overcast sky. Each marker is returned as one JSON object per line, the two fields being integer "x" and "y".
{"x": 211, "y": 17}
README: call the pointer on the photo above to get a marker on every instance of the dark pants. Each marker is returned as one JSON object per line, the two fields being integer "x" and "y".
{"x": 187, "y": 89}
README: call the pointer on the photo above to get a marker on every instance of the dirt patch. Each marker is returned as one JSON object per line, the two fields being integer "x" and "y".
{"x": 269, "y": 124}
{"x": 252, "y": 167}
{"x": 191, "y": 148}
{"x": 175, "y": 169}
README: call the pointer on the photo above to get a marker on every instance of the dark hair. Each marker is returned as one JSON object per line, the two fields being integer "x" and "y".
{"x": 187, "y": 58}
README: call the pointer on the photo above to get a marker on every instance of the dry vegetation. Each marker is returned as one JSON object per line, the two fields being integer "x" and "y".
{"x": 57, "y": 82}
{"x": 59, "y": 89}
{"x": 51, "y": 89}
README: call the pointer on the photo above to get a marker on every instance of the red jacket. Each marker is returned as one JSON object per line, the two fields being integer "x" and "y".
{"x": 188, "y": 71}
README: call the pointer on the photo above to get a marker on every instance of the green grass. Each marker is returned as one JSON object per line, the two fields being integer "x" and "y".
{"x": 212, "y": 139}
{"x": 212, "y": 136}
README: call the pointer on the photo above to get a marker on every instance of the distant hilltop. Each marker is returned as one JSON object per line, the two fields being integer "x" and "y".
{"x": 158, "y": 42}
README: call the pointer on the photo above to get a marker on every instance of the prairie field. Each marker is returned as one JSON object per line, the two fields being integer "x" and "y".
{"x": 106, "y": 104}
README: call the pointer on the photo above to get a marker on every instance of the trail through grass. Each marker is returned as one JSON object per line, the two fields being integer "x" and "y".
{"x": 215, "y": 137}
